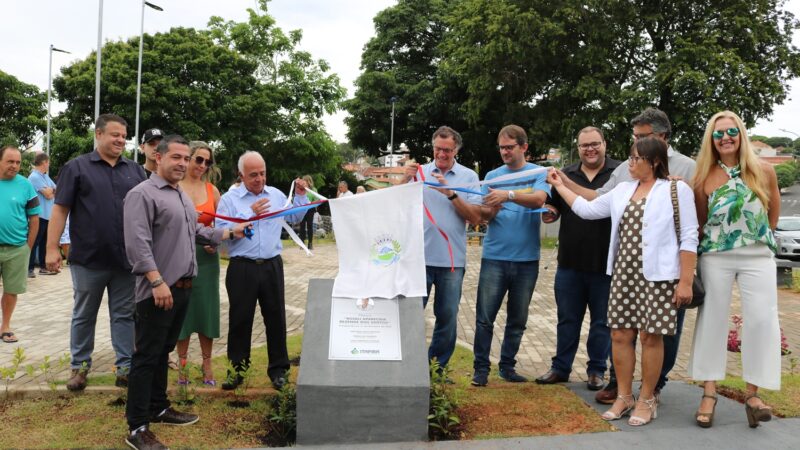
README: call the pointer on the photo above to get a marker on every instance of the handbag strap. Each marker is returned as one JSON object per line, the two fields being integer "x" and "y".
{"x": 676, "y": 215}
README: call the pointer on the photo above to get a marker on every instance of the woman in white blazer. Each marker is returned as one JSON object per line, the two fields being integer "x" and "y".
{"x": 651, "y": 269}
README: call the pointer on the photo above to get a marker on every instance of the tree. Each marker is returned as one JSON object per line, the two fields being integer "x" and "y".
{"x": 211, "y": 85}
{"x": 22, "y": 111}
{"x": 555, "y": 67}
{"x": 786, "y": 175}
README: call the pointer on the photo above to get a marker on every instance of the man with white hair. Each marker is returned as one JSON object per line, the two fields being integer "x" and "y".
{"x": 255, "y": 272}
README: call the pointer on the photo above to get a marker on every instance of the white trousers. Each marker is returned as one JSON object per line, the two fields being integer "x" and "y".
{"x": 754, "y": 269}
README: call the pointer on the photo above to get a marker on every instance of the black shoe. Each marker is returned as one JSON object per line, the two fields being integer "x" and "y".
{"x": 480, "y": 379}
{"x": 552, "y": 377}
{"x": 232, "y": 382}
{"x": 608, "y": 394}
{"x": 144, "y": 440}
{"x": 171, "y": 417}
{"x": 512, "y": 376}
{"x": 279, "y": 382}
{"x": 594, "y": 382}
{"x": 121, "y": 381}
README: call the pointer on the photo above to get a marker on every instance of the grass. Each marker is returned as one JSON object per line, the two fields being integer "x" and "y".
{"x": 786, "y": 402}
{"x": 97, "y": 421}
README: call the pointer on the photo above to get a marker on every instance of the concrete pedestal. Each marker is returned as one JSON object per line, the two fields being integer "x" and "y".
{"x": 343, "y": 402}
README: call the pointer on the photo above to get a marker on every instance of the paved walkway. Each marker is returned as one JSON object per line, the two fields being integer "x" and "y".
{"x": 41, "y": 320}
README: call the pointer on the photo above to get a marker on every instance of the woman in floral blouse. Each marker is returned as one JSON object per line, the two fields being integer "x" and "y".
{"x": 738, "y": 204}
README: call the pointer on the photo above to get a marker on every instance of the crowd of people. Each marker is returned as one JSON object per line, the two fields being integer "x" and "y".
{"x": 632, "y": 235}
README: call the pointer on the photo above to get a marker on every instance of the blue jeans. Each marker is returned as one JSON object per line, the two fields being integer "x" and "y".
{"x": 497, "y": 278}
{"x": 671, "y": 344}
{"x": 88, "y": 286}
{"x": 445, "y": 308}
{"x": 575, "y": 290}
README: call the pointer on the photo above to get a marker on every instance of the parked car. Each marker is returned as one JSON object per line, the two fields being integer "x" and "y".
{"x": 787, "y": 235}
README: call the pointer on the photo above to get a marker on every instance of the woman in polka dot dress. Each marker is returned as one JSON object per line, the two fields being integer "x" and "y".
{"x": 651, "y": 272}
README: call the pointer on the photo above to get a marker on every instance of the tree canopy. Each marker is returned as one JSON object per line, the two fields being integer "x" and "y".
{"x": 555, "y": 67}
{"x": 241, "y": 85}
{"x": 23, "y": 111}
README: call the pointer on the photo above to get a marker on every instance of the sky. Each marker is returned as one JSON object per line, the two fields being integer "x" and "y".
{"x": 333, "y": 30}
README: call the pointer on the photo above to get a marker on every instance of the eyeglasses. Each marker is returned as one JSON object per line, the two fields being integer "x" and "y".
{"x": 643, "y": 135}
{"x": 635, "y": 159}
{"x": 507, "y": 148}
{"x": 199, "y": 160}
{"x": 589, "y": 145}
{"x": 718, "y": 134}
{"x": 443, "y": 150}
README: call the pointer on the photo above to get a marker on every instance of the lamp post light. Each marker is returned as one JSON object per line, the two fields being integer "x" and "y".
{"x": 98, "y": 64}
{"x": 49, "y": 90}
{"x": 139, "y": 80}
{"x": 393, "y": 100}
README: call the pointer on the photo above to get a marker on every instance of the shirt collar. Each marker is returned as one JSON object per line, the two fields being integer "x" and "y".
{"x": 574, "y": 168}
{"x": 670, "y": 151}
{"x": 161, "y": 183}
{"x": 95, "y": 157}
{"x": 456, "y": 167}
{"x": 242, "y": 191}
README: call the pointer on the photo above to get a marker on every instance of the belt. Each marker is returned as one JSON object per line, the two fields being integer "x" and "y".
{"x": 258, "y": 261}
{"x": 183, "y": 283}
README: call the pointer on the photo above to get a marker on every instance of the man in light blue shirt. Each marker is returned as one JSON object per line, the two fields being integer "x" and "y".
{"x": 451, "y": 211}
{"x": 510, "y": 261}
{"x": 255, "y": 272}
{"x": 46, "y": 191}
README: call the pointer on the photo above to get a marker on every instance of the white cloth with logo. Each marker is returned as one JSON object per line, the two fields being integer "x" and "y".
{"x": 380, "y": 240}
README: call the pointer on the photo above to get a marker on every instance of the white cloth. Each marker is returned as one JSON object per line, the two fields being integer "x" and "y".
{"x": 660, "y": 247}
{"x": 380, "y": 240}
{"x": 754, "y": 269}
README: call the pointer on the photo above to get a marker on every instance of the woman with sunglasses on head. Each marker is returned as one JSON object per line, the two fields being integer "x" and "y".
{"x": 738, "y": 204}
{"x": 651, "y": 268}
{"x": 202, "y": 316}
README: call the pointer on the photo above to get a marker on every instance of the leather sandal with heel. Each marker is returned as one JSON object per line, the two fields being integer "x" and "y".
{"x": 629, "y": 403}
{"x": 208, "y": 374}
{"x": 652, "y": 405}
{"x": 756, "y": 414}
{"x": 709, "y": 417}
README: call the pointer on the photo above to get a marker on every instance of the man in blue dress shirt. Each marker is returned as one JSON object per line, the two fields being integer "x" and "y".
{"x": 255, "y": 272}
{"x": 46, "y": 191}
{"x": 450, "y": 211}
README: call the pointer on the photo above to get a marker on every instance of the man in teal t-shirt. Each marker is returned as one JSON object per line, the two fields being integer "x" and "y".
{"x": 19, "y": 208}
{"x": 510, "y": 261}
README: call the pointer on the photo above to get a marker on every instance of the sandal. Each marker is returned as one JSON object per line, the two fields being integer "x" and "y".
{"x": 183, "y": 376}
{"x": 9, "y": 337}
{"x": 652, "y": 405}
{"x": 756, "y": 414}
{"x": 709, "y": 417}
{"x": 208, "y": 374}
{"x": 628, "y": 401}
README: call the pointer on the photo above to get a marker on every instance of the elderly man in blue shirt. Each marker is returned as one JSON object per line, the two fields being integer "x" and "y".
{"x": 46, "y": 191}
{"x": 451, "y": 211}
{"x": 255, "y": 272}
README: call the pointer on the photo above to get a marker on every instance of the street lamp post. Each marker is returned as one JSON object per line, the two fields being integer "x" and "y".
{"x": 49, "y": 90}
{"x": 391, "y": 135}
{"x": 139, "y": 80}
{"x": 99, "y": 62}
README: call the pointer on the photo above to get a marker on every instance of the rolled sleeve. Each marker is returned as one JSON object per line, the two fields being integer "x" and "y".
{"x": 211, "y": 233}
{"x": 139, "y": 213}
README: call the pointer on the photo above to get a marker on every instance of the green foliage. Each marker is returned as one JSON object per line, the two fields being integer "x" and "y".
{"x": 779, "y": 141}
{"x": 555, "y": 67}
{"x": 282, "y": 416}
{"x": 239, "y": 85}
{"x": 22, "y": 110}
{"x": 45, "y": 368}
{"x": 187, "y": 393}
{"x": 10, "y": 372}
{"x": 246, "y": 373}
{"x": 442, "y": 416}
{"x": 787, "y": 175}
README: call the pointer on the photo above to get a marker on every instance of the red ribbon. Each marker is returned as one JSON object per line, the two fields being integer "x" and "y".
{"x": 430, "y": 217}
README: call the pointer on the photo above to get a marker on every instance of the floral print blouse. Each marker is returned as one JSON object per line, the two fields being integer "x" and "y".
{"x": 736, "y": 217}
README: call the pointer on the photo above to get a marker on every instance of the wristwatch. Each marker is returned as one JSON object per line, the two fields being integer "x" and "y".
{"x": 511, "y": 196}
{"x": 453, "y": 197}
{"x": 157, "y": 282}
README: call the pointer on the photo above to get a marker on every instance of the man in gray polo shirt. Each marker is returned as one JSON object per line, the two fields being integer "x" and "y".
{"x": 160, "y": 233}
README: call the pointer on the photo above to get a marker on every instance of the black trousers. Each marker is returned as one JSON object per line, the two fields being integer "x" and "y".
{"x": 40, "y": 245}
{"x": 157, "y": 332}
{"x": 250, "y": 283}
{"x": 307, "y": 226}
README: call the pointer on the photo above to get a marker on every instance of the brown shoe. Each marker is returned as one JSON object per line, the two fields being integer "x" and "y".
{"x": 608, "y": 394}
{"x": 552, "y": 377}
{"x": 78, "y": 380}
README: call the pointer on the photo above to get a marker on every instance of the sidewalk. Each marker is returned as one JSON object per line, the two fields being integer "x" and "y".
{"x": 41, "y": 320}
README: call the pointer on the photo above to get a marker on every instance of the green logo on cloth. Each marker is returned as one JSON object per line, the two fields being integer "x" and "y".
{"x": 385, "y": 251}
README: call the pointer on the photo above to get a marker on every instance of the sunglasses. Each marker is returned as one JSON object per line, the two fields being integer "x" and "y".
{"x": 718, "y": 134}
{"x": 199, "y": 160}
